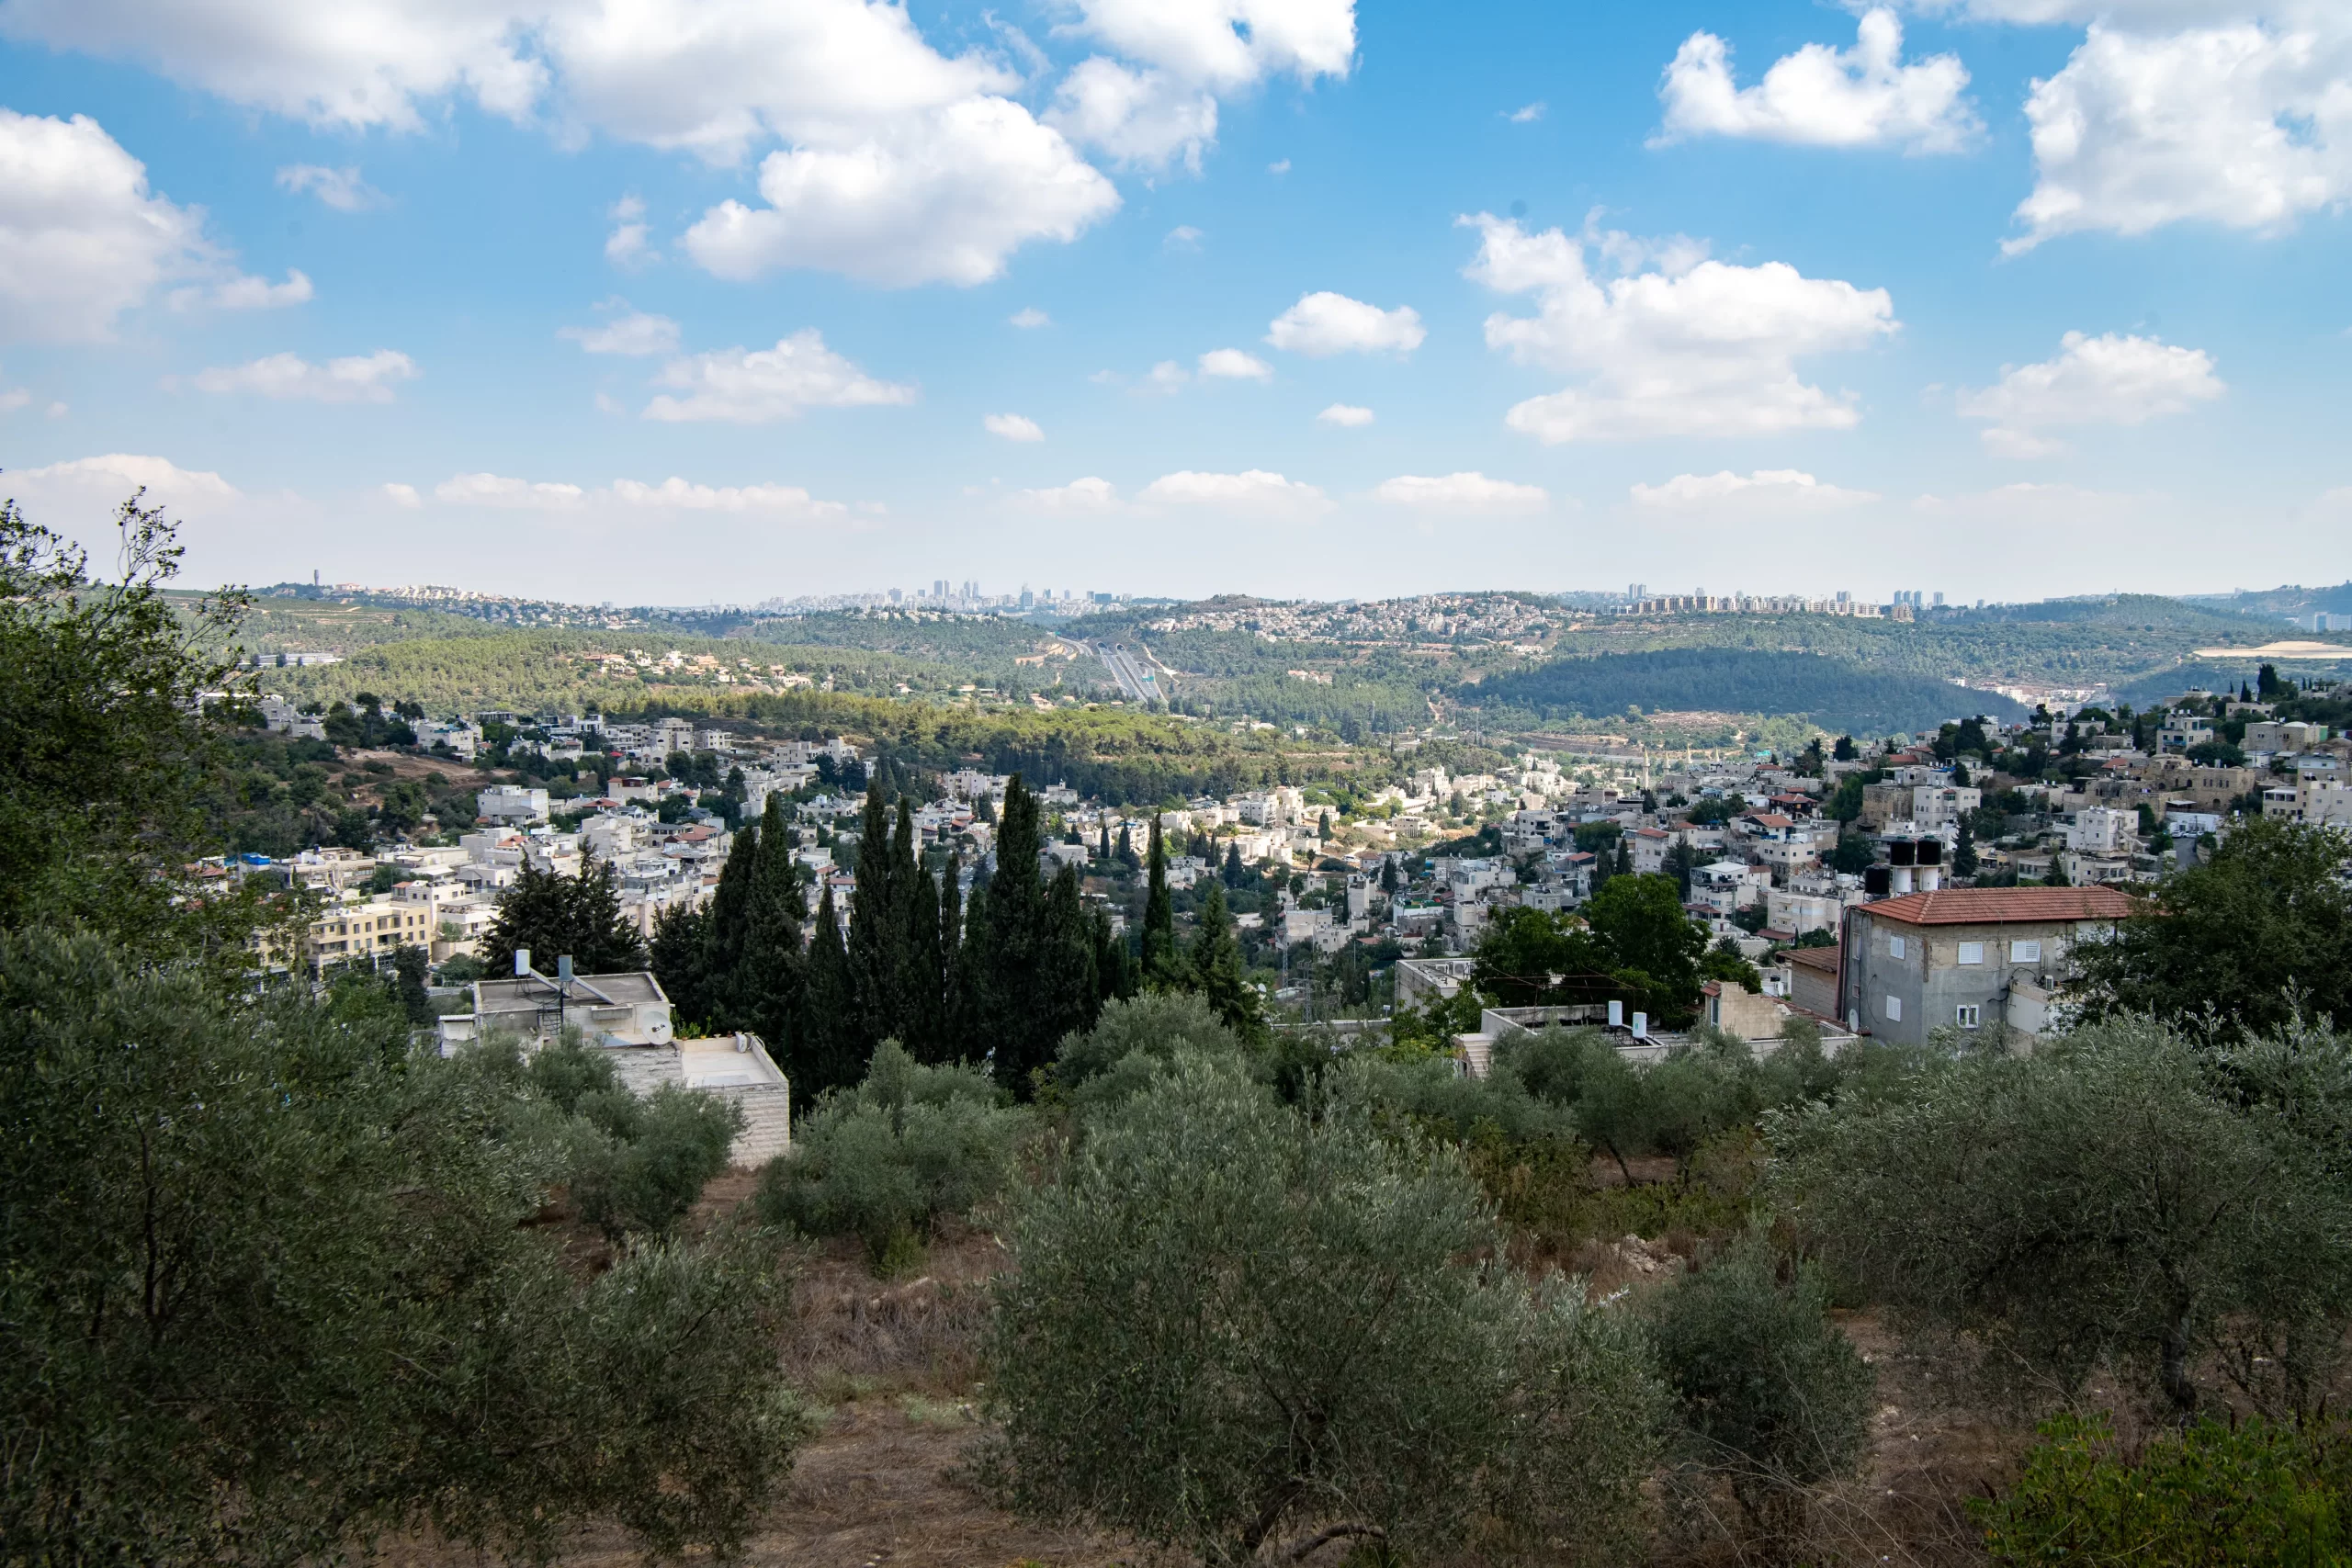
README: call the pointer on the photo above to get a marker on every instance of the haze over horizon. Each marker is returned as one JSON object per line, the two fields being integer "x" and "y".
{"x": 697, "y": 301}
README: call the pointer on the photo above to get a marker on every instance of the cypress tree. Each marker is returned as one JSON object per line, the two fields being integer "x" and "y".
{"x": 1163, "y": 966}
{"x": 1014, "y": 1011}
{"x": 680, "y": 954}
{"x": 903, "y": 1000}
{"x": 1233, "y": 871}
{"x": 922, "y": 975}
{"x": 874, "y": 924}
{"x": 1103, "y": 851}
{"x": 827, "y": 1050}
{"x": 1217, "y": 965}
{"x": 723, "y": 933}
{"x": 767, "y": 980}
{"x": 964, "y": 946}
{"x": 1127, "y": 851}
{"x": 1116, "y": 971}
{"x": 1072, "y": 988}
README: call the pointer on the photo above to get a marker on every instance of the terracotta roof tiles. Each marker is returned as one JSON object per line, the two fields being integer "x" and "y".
{"x": 1989, "y": 906}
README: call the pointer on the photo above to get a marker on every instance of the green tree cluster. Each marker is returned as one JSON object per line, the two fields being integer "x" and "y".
{"x": 2126, "y": 1197}
{"x": 1247, "y": 1332}
{"x": 2250, "y": 937}
{"x": 107, "y": 754}
{"x": 551, "y": 916}
{"x": 1633, "y": 941}
{"x": 887, "y": 1160}
{"x": 270, "y": 1287}
{"x": 270, "y": 1291}
{"x": 1002, "y": 981}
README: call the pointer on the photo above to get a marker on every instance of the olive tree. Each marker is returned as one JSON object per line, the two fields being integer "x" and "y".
{"x": 887, "y": 1159}
{"x": 1774, "y": 1398}
{"x": 267, "y": 1289}
{"x": 2119, "y": 1197}
{"x": 1244, "y": 1332}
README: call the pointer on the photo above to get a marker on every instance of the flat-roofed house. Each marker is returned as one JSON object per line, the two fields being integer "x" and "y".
{"x": 627, "y": 1015}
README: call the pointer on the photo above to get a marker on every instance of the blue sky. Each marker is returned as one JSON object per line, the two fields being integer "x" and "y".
{"x": 694, "y": 300}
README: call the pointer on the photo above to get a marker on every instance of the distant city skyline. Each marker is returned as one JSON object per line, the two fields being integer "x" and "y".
{"x": 700, "y": 299}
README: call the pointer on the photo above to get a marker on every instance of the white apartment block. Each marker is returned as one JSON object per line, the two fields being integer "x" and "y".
{"x": 510, "y": 803}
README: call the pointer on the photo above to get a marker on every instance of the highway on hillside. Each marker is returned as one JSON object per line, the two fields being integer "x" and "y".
{"x": 1128, "y": 669}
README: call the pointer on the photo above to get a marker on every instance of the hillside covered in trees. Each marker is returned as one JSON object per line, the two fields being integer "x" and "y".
{"x": 1835, "y": 694}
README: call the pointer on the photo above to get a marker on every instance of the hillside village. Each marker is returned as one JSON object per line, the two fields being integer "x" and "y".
{"x": 1351, "y": 903}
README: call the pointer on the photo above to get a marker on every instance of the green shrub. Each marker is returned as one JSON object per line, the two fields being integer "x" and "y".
{"x": 1238, "y": 1330}
{"x": 270, "y": 1293}
{"x": 1774, "y": 1397}
{"x": 2213, "y": 1496}
{"x": 659, "y": 1153}
{"x": 2113, "y": 1199}
{"x": 907, "y": 1146}
{"x": 1135, "y": 1039}
{"x": 1445, "y": 1103}
{"x": 634, "y": 1164}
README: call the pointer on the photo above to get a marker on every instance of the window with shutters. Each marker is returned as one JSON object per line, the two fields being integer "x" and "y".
{"x": 1970, "y": 1015}
{"x": 1972, "y": 952}
{"x": 1895, "y": 947}
{"x": 2025, "y": 952}
{"x": 1893, "y": 1009}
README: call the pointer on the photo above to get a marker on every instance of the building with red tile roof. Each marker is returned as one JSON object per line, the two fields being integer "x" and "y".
{"x": 1966, "y": 958}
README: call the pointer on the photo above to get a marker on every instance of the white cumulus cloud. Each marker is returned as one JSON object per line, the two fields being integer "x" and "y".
{"x": 2109, "y": 379}
{"x": 1140, "y": 118}
{"x": 1232, "y": 364}
{"x": 944, "y": 196}
{"x": 2246, "y": 124}
{"x": 1822, "y": 96}
{"x": 1089, "y": 494}
{"x": 1465, "y": 492}
{"x": 1348, "y": 416}
{"x": 755, "y": 386}
{"x": 1689, "y": 348}
{"x": 1782, "y": 487}
{"x": 242, "y": 293}
{"x": 354, "y": 379}
{"x": 1163, "y": 107}
{"x": 341, "y": 189}
{"x": 109, "y": 478}
{"x": 624, "y": 497}
{"x": 888, "y": 159}
{"x": 402, "y": 496}
{"x": 1253, "y": 492}
{"x": 629, "y": 246}
{"x": 1012, "y": 427}
{"x": 676, "y": 494}
{"x": 625, "y": 331}
{"x": 1228, "y": 43}
{"x": 1325, "y": 323}
{"x": 1029, "y": 319}
{"x": 506, "y": 494}
{"x": 82, "y": 237}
